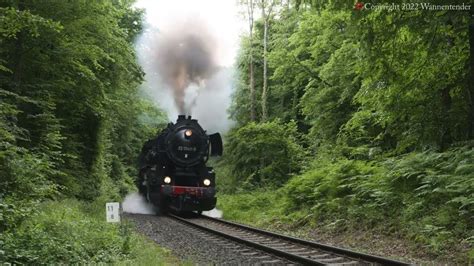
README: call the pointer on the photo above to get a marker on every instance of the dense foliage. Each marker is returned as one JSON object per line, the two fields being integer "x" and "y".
{"x": 384, "y": 104}
{"x": 71, "y": 121}
{"x": 269, "y": 159}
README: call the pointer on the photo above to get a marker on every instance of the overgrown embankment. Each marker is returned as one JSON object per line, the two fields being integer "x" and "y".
{"x": 424, "y": 198}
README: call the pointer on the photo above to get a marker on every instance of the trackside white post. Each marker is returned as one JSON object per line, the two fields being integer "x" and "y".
{"x": 112, "y": 211}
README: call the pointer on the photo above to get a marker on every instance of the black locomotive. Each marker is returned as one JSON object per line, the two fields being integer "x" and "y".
{"x": 172, "y": 167}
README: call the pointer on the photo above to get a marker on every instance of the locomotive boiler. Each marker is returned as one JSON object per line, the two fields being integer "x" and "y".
{"x": 172, "y": 167}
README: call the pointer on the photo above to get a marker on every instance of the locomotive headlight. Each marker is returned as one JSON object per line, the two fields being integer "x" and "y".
{"x": 206, "y": 182}
{"x": 167, "y": 179}
{"x": 188, "y": 133}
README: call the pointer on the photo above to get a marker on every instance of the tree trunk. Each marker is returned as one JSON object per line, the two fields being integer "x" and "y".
{"x": 471, "y": 75}
{"x": 18, "y": 55}
{"x": 446, "y": 101}
{"x": 252, "y": 85}
{"x": 252, "y": 81}
{"x": 264, "y": 89}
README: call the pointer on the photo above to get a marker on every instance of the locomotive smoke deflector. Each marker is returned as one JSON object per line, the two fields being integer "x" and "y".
{"x": 216, "y": 144}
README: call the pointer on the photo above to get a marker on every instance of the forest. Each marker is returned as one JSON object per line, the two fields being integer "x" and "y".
{"x": 345, "y": 119}
{"x": 355, "y": 121}
{"x": 71, "y": 125}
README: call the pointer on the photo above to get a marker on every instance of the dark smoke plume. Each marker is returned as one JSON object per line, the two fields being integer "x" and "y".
{"x": 184, "y": 56}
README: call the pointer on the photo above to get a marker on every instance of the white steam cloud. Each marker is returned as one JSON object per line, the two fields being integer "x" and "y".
{"x": 184, "y": 81}
{"x": 136, "y": 203}
{"x": 215, "y": 213}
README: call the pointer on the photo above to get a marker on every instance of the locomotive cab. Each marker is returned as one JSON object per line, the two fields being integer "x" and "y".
{"x": 173, "y": 172}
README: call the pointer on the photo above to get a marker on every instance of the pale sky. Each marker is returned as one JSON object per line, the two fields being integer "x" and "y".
{"x": 224, "y": 19}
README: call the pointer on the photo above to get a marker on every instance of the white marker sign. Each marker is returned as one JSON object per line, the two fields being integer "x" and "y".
{"x": 112, "y": 210}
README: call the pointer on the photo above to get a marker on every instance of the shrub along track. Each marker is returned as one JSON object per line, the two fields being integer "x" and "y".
{"x": 287, "y": 248}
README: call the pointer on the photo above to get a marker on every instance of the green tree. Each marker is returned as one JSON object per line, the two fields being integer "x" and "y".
{"x": 414, "y": 76}
{"x": 69, "y": 109}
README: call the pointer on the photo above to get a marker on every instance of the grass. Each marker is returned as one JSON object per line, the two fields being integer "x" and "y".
{"x": 74, "y": 232}
{"x": 261, "y": 208}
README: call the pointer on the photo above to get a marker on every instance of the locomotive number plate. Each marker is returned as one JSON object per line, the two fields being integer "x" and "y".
{"x": 184, "y": 148}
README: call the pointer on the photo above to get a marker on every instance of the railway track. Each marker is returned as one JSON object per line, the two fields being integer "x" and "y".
{"x": 291, "y": 249}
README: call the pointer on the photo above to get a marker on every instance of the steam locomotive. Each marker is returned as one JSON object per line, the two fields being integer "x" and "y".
{"x": 172, "y": 167}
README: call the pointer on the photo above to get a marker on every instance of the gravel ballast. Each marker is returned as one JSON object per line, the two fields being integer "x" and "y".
{"x": 195, "y": 246}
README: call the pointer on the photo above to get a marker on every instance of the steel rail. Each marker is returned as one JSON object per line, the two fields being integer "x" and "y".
{"x": 332, "y": 249}
{"x": 349, "y": 254}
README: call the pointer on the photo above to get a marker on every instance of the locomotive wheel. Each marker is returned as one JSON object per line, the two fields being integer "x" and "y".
{"x": 148, "y": 198}
{"x": 139, "y": 183}
{"x": 162, "y": 208}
